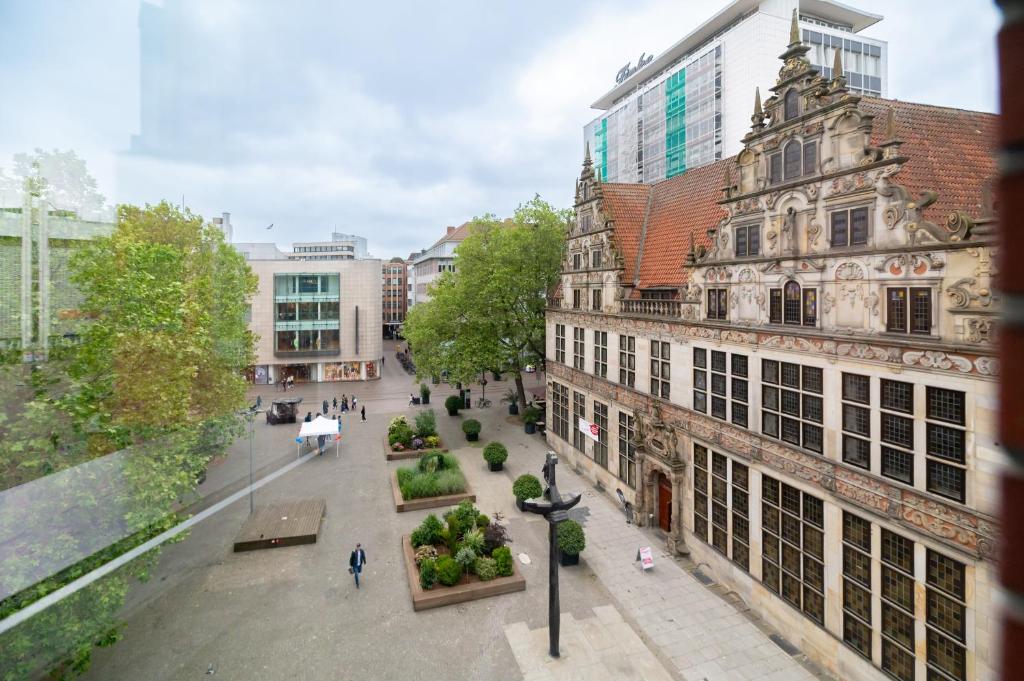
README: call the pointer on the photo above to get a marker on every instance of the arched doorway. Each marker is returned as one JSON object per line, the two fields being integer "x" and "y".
{"x": 664, "y": 502}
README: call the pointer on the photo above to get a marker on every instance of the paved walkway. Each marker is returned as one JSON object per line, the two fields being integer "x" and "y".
{"x": 700, "y": 634}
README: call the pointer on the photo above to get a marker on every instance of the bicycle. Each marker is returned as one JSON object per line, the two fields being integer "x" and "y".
{"x": 483, "y": 402}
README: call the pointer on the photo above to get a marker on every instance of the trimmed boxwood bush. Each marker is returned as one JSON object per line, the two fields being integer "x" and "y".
{"x": 503, "y": 561}
{"x": 482, "y": 521}
{"x": 428, "y": 573}
{"x": 495, "y": 452}
{"x": 486, "y": 569}
{"x": 570, "y": 537}
{"x": 429, "y": 532}
{"x": 471, "y": 427}
{"x": 527, "y": 486}
{"x": 453, "y": 404}
{"x": 448, "y": 571}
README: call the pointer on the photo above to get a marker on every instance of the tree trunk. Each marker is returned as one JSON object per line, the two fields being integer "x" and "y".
{"x": 520, "y": 389}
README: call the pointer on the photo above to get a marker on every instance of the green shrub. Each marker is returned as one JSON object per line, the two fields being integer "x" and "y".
{"x": 428, "y": 532}
{"x": 462, "y": 518}
{"x": 474, "y": 540}
{"x": 486, "y": 569}
{"x": 432, "y": 441}
{"x": 495, "y": 452}
{"x": 471, "y": 427}
{"x": 448, "y": 571}
{"x": 430, "y": 463}
{"x": 571, "y": 539}
{"x": 503, "y": 561}
{"x": 527, "y": 486}
{"x": 465, "y": 558}
{"x": 424, "y": 391}
{"x": 428, "y": 573}
{"x": 531, "y": 415}
{"x": 401, "y": 432}
{"x": 453, "y": 403}
{"x": 482, "y": 521}
{"x": 426, "y": 423}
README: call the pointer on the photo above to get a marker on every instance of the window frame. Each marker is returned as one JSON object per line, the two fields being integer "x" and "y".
{"x": 905, "y": 309}
{"x": 627, "y": 360}
{"x": 848, "y": 235}
{"x": 717, "y": 307}
{"x": 661, "y": 368}
{"x": 747, "y": 230}
{"x": 601, "y": 353}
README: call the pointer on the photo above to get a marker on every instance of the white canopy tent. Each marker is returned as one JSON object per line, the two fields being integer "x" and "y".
{"x": 320, "y": 426}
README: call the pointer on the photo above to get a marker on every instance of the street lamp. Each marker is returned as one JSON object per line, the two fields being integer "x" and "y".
{"x": 555, "y": 509}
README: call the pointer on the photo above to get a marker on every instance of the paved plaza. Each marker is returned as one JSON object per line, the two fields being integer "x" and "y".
{"x": 294, "y": 613}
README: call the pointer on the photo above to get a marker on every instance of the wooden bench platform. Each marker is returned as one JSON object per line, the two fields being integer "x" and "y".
{"x": 283, "y": 524}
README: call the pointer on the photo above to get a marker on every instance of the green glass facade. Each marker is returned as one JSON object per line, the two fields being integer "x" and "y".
{"x": 675, "y": 124}
{"x": 306, "y": 314}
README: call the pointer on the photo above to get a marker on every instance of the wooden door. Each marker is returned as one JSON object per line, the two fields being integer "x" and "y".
{"x": 664, "y": 502}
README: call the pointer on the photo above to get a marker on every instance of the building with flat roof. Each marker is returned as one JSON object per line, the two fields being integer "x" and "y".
{"x": 691, "y": 105}
{"x": 316, "y": 320}
{"x": 340, "y": 247}
{"x": 394, "y": 302}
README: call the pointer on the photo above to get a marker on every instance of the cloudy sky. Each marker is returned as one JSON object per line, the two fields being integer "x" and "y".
{"x": 385, "y": 119}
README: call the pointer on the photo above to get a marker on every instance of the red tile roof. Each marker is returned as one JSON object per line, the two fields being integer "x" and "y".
{"x": 457, "y": 234}
{"x": 951, "y": 152}
{"x": 682, "y": 208}
{"x": 626, "y": 204}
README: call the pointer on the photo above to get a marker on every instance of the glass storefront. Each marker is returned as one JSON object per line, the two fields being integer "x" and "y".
{"x": 342, "y": 371}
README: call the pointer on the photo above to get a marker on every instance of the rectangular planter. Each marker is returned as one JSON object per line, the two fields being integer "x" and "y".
{"x": 440, "y": 595}
{"x": 401, "y": 505}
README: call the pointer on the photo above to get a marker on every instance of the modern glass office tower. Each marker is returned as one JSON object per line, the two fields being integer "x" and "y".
{"x": 691, "y": 105}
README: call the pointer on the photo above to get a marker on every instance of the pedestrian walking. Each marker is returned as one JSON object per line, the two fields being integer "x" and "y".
{"x": 411, "y": 400}
{"x": 353, "y": 402}
{"x": 321, "y": 440}
{"x": 326, "y": 406}
{"x": 335, "y": 404}
{"x": 356, "y": 561}
{"x": 362, "y": 412}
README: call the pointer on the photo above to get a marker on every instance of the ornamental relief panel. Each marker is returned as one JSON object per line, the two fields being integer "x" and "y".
{"x": 958, "y": 364}
{"x": 905, "y": 264}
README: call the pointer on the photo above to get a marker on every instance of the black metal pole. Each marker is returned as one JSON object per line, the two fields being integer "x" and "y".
{"x": 554, "y": 614}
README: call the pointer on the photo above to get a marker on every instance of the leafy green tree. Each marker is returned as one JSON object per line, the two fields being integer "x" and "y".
{"x": 157, "y": 376}
{"x": 489, "y": 313}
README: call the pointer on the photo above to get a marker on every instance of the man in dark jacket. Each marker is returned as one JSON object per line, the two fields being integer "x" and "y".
{"x": 356, "y": 561}
{"x": 326, "y": 405}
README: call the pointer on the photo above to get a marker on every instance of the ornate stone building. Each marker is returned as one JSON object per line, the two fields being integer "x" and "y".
{"x": 788, "y": 357}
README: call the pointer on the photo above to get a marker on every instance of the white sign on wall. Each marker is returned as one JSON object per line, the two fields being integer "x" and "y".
{"x": 589, "y": 429}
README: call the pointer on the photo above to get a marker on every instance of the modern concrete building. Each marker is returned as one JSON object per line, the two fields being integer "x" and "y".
{"x": 428, "y": 264}
{"x": 393, "y": 290}
{"x": 39, "y": 305}
{"x": 691, "y": 105}
{"x": 340, "y": 247}
{"x": 316, "y": 320}
{"x": 788, "y": 359}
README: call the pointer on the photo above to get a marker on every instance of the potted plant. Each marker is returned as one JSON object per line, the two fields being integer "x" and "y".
{"x": 571, "y": 541}
{"x": 471, "y": 427}
{"x": 530, "y": 417}
{"x": 512, "y": 398}
{"x": 424, "y": 393}
{"x": 452, "y": 404}
{"x": 525, "y": 487}
{"x": 495, "y": 455}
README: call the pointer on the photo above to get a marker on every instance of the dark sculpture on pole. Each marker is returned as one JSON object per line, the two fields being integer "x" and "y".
{"x": 555, "y": 509}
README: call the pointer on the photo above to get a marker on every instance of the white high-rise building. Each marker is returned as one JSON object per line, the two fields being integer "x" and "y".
{"x": 691, "y": 105}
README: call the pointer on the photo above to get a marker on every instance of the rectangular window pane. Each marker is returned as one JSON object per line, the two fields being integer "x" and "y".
{"x": 775, "y": 306}
{"x": 858, "y": 226}
{"x": 896, "y": 310}
{"x": 898, "y": 396}
{"x": 898, "y": 465}
{"x": 840, "y": 228}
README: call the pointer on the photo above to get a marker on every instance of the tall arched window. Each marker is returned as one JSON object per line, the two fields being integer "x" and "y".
{"x": 791, "y": 160}
{"x": 792, "y": 105}
{"x": 793, "y": 305}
